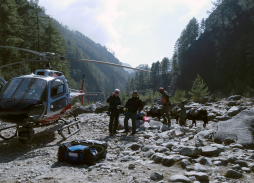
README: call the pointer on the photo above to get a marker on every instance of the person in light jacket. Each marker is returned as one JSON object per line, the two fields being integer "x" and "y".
{"x": 114, "y": 106}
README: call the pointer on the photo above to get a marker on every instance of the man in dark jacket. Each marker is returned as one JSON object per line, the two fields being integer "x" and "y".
{"x": 133, "y": 105}
{"x": 114, "y": 106}
{"x": 165, "y": 107}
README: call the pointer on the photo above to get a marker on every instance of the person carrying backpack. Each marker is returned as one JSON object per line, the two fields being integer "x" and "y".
{"x": 114, "y": 106}
{"x": 165, "y": 107}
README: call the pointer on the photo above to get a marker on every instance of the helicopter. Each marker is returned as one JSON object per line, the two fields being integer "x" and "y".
{"x": 39, "y": 99}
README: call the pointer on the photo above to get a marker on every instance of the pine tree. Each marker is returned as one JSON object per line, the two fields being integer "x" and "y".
{"x": 198, "y": 90}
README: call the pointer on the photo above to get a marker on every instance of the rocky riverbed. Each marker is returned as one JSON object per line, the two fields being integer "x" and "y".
{"x": 154, "y": 154}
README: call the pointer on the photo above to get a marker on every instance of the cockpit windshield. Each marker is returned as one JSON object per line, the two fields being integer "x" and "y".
{"x": 25, "y": 88}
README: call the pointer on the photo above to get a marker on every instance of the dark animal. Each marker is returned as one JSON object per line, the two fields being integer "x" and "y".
{"x": 175, "y": 114}
{"x": 154, "y": 112}
{"x": 199, "y": 115}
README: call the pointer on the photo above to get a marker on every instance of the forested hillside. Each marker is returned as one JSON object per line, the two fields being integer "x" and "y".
{"x": 220, "y": 49}
{"x": 24, "y": 24}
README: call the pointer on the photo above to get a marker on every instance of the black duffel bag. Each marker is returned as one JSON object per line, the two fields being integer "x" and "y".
{"x": 100, "y": 146}
{"x": 77, "y": 154}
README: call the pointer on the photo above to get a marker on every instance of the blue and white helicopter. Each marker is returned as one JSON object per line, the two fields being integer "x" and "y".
{"x": 39, "y": 99}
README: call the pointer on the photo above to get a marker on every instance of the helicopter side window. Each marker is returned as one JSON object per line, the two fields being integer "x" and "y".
{"x": 57, "y": 88}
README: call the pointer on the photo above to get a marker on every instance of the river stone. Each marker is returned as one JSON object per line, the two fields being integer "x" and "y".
{"x": 236, "y": 167}
{"x": 206, "y": 161}
{"x": 220, "y": 147}
{"x": 84, "y": 109}
{"x": 135, "y": 147}
{"x": 241, "y": 127}
{"x": 209, "y": 151}
{"x": 231, "y": 103}
{"x": 199, "y": 168}
{"x": 245, "y": 169}
{"x": 184, "y": 163}
{"x": 148, "y": 147}
{"x": 206, "y": 134}
{"x": 251, "y": 166}
{"x": 234, "y": 97}
{"x": 232, "y": 158}
{"x": 217, "y": 163}
{"x": 200, "y": 176}
{"x": 223, "y": 161}
{"x": 233, "y": 174}
{"x": 131, "y": 166}
{"x": 179, "y": 178}
{"x": 149, "y": 153}
{"x": 157, "y": 157}
{"x": 190, "y": 151}
{"x": 178, "y": 133}
{"x": 149, "y": 135}
{"x": 156, "y": 176}
{"x": 233, "y": 111}
{"x": 222, "y": 118}
{"x": 168, "y": 161}
{"x": 162, "y": 149}
{"x": 169, "y": 145}
{"x": 127, "y": 158}
{"x": 211, "y": 116}
{"x": 241, "y": 163}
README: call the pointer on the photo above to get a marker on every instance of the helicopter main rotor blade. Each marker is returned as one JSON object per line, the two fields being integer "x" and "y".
{"x": 107, "y": 63}
{"x": 23, "y": 49}
{"x": 18, "y": 63}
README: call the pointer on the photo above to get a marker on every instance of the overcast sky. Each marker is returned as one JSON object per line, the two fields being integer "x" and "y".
{"x": 138, "y": 31}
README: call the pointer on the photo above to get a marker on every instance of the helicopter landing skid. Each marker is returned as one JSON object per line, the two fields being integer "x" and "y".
{"x": 60, "y": 131}
{"x": 8, "y": 127}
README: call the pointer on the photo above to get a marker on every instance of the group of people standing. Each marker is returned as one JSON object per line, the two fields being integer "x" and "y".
{"x": 134, "y": 105}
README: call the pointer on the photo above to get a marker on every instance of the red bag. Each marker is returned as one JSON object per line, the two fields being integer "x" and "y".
{"x": 145, "y": 118}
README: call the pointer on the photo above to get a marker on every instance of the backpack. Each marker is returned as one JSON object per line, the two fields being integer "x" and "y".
{"x": 82, "y": 154}
{"x": 77, "y": 154}
{"x": 100, "y": 146}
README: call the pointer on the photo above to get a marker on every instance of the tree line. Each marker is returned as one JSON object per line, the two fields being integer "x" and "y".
{"x": 218, "y": 50}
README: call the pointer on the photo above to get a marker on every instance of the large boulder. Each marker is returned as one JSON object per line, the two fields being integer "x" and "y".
{"x": 235, "y": 97}
{"x": 234, "y": 111}
{"x": 100, "y": 108}
{"x": 84, "y": 109}
{"x": 190, "y": 151}
{"x": 240, "y": 128}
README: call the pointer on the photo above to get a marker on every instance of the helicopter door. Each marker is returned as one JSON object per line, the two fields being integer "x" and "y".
{"x": 2, "y": 83}
{"x": 58, "y": 97}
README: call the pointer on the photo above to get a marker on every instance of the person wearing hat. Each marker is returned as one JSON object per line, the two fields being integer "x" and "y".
{"x": 132, "y": 105}
{"x": 165, "y": 107}
{"x": 114, "y": 106}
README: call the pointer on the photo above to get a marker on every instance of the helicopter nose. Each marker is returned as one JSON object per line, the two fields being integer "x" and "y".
{"x": 16, "y": 105}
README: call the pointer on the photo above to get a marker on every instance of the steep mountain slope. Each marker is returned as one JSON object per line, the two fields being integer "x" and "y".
{"x": 99, "y": 78}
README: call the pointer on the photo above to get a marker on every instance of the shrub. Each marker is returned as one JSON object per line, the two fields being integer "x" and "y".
{"x": 178, "y": 97}
{"x": 198, "y": 90}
